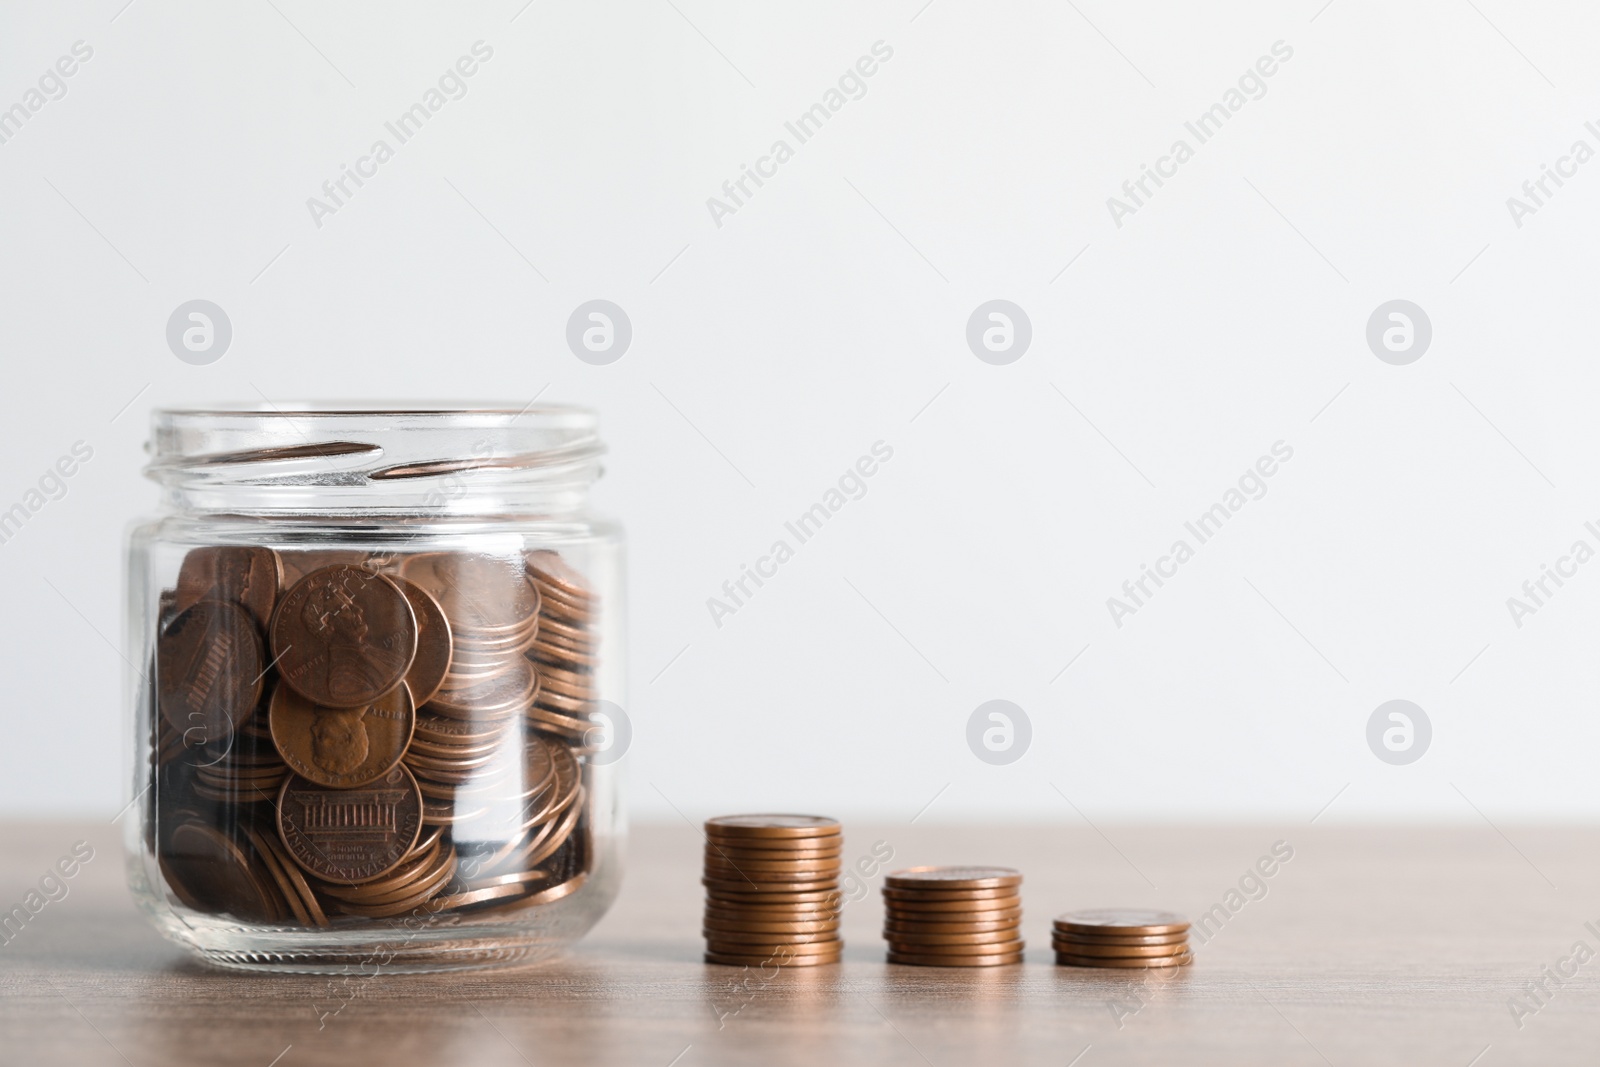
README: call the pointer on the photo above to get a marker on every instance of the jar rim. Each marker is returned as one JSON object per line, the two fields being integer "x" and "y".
{"x": 348, "y": 454}
{"x": 357, "y": 409}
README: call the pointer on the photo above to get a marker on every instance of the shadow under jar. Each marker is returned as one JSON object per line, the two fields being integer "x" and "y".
{"x": 379, "y": 678}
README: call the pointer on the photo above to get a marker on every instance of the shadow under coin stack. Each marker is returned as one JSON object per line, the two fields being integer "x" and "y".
{"x": 953, "y": 916}
{"x": 1121, "y": 937}
{"x": 772, "y": 890}
{"x": 364, "y": 743}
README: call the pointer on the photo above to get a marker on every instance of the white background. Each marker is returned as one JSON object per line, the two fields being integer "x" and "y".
{"x": 829, "y": 313}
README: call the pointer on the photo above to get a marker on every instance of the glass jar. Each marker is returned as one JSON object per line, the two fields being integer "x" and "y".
{"x": 379, "y": 660}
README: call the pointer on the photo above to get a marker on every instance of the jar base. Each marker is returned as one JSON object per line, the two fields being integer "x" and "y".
{"x": 371, "y": 964}
{"x": 401, "y": 948}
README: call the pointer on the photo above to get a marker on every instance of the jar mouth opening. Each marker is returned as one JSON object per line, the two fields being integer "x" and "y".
{"x": 366, "y": 409}
{"x": 354, "y": 453}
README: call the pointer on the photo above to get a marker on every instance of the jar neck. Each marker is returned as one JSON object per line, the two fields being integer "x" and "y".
{"x": 355, "y": 463}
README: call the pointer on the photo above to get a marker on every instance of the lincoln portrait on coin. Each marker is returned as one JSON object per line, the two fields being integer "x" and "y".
{"x": 354, "y": 665}
{"x": 339, "y": 740}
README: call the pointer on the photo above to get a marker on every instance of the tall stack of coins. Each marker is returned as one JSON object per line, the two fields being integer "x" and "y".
{"x": 366, "y": 740}
{"x": 954, "y": 916}
{"x": 1121, "y": 937}
{"x": 772, "y": 890}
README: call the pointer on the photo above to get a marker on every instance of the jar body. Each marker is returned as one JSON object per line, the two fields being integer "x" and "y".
{"x": 380, "y": 742}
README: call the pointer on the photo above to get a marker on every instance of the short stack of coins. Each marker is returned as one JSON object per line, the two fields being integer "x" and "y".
{"x": 953, "y": 916}
{"x": 1135, "y": 938}
{"x": 340, "y": 736}
{"x": 772, "y": 890}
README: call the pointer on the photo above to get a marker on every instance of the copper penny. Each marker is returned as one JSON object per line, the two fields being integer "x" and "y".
{"x": 579, "y": 665}
{"x": 514, "y": 878}
{"x": 987, "y": 948}
{"x": 217, "y": 874}
{"x": 900, "y": 937}
{"x": 936, "y": 878}
{"x": 735, "y": 896}
{"x": 342, "y": 748}
{"x": 543, "y": 896}
{"x": 760, "y": 884}
{"x": 449, "y": 730}
{"x": 582, "y": 638}
{"x": 725, "y": 939}
{"x": 923, "y": 960}
{"x": 799, "y": 913}
{"x": 1078, "y": 948}
{"x": 235, "y": 574}
{"x": 1080, "y": 938}
{"x": 548, "y": 566}
{"x": 1121, "y": 921}
{"x": 472, "y": 896}
{"x": 478, "y": 593}
{"x": 569, "y": 705}
{"x": 742, "y": 828}
{"x": 269, "y": 844}
{"x": 741, "y": 855}
{"x": 948, "y": 911}
{"x": 506, "y": 694}
{"x": 208, "y": 668}
{"x": 813, "y": 926}
{"x": 900, "y": 925}
{"x": 286, "y": 892}
{"x": 343, "y": 636}
{"x": 434, "y": 646}
{"x": 555, "y": 835}
{"x": 351, "y": 835}
{"x": 819, "y": 868}
{"x": 1067, "y": 959}
{"x": 560, "y": 600}
{"x": 975, "y": 895}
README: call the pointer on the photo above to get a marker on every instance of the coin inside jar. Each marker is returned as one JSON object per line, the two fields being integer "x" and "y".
{"x": 434, "y": 646}
{"x": 244, "y": 575}
{"x": 342, "y": 747}
{"x": 212, "y": 868}
{"x": 341, "y": 815}
{"x": 343, "y": 636}
{"x": 209, "y": 669}
{"x": 479, "y": 594}
{"x": 350, "y": 835}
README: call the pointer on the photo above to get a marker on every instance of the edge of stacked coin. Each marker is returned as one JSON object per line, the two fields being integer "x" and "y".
{"x": 953, "y": 916}
{"x": 772, "y": 890}
{"x": 1127, "y": 938}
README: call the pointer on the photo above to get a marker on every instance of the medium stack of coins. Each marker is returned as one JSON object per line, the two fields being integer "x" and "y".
{"x": 565, "y": 650}
{"x": 365, "y": 742}
{"x": 772, "y": 890}
{"x": 953, "y": 916}
{"x": 1121, "y": 937}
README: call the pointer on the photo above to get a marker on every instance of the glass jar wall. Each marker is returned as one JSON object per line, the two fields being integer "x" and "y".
{"x": 380, "y": 653}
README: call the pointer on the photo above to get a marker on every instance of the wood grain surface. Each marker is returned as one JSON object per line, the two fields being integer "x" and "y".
{"x": 1389, "y": 945}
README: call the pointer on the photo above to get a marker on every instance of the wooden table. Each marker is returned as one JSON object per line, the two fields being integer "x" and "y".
{"x": 1371, "y": 946}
